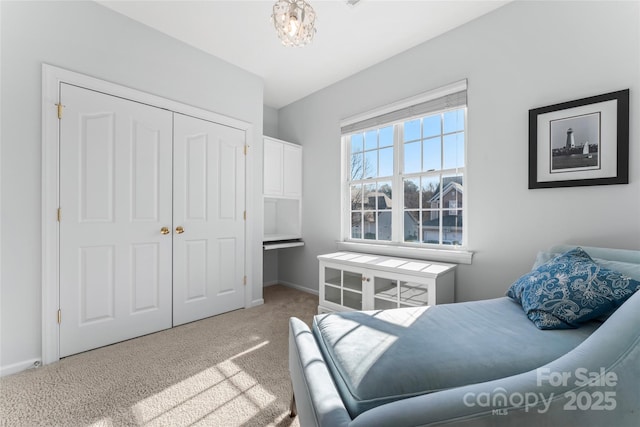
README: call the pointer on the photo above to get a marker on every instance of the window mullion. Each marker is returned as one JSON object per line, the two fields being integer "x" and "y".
{"x": 397, "y": 203}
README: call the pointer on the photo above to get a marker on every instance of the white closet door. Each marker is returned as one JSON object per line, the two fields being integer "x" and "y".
{"x": 115, "y": 196}
{"x": 209, "y": 203}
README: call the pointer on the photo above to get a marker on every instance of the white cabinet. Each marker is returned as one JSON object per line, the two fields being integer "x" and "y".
{"x": 291, "y": 171}
{"x": 282, "y": 169}
{"x": 273, "y": 167}
{"x": 355, "y": 281}
{"x": 282, "y": 194}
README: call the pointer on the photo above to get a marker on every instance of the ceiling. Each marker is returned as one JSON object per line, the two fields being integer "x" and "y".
{"x": 348, "y": 39}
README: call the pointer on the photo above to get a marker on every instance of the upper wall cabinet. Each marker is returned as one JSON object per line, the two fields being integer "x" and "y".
{"x": 282, "y": 169}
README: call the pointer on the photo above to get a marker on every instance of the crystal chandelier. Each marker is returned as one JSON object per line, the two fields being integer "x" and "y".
{"x": 294, "y": 21}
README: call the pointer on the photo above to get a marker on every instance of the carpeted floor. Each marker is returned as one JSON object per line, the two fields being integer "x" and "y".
{"x": 227, "y": 370}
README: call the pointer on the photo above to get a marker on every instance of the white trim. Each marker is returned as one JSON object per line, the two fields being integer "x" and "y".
{"x": 298, "y": 287}
{"x": 407, "y": 102}
{"x": 442, "y": 255}
{"x": 256, "y": 302}
{"x": 19, "y": 367}
{"x": 52, "y": 77}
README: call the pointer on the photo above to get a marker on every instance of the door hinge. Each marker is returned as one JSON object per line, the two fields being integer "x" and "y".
{"x": 59, "y": 214}
{"x": 244, "y": 280}
{"x": 244, "y": 215}
{"x": 245, "y": 149}
{"x": 60, "y": 108}
{"x": 59, "y": 316}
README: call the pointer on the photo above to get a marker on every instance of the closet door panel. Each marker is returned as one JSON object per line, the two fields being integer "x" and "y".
{"x": 209, "y": 227}
{"x": 115, "y": 196}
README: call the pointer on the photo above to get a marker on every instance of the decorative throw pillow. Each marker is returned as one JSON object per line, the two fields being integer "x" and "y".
{"x": 569, "y": 290}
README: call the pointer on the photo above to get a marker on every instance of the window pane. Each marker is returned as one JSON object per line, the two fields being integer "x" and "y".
{"x": 369, "y": 196}
{"x": 356, "y": 197}
{"x": 384, "y": 195}
{"x": 431, "y": 227}
{"x": 384, "y": 225}
{"x": 452, "y": 227}
{"x": 431, "y": 126}
{"x": 430, "y": 192}
{"x": 454, "y": 151}
{"x": 411, "y": 193}
{"x": 356, "y": 142}
{"x": 411, "y": 226}
{"x": 371, "y": 140}
{"x": 453, "y": 121}
{"x": 356, "y": 225}
{"x": 357, "y": 163}
{"x": 369, "y": 226}
{"x": 412, "y": 130}
{"x": 432, "y": 158}
{"x": 386, "y": 137}
{"x": 371, "y": 164}
{"x": 453, "y": 188}
{"x": 386, "y": 162}
{"x": 412, "y": 157}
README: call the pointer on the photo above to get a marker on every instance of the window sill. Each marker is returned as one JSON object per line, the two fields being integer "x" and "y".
{"x": 429, "y": 254}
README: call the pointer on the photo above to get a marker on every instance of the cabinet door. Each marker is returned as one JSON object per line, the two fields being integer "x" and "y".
{"x": 397, "y": 291}
{"x": 342, "y": 287}
{"x": 273, "y": 167}
{"x": 292, "y": 167}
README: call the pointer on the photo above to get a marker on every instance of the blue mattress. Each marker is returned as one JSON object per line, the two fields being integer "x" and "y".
{"x": 377, "y": 357}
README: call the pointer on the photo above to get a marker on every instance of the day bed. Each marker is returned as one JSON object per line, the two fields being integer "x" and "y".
{"x": 481, "y": 363}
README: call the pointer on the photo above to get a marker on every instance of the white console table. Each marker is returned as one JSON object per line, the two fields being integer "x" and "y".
{"x": 356, "y": 281}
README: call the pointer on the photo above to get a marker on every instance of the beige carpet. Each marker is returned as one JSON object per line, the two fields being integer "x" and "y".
{"x": 227, "y": 370}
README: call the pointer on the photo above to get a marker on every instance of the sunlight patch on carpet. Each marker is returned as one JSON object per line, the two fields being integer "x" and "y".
{"x": 224, "y": 391}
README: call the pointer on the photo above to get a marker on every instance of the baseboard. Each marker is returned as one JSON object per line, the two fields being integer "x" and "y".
{"x": 298, "y": 287}
{"x": 257, "y": 302}
{"x": 19, "y": 367}
{"x": 270, "y": 283}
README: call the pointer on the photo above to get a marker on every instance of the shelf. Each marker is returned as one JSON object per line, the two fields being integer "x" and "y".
{"x": 281, "y": 244}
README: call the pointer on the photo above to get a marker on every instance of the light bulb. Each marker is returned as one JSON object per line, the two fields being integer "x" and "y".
{"x": 293, "y": 25}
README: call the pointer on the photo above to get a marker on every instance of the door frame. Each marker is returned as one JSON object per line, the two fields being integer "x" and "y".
{"x": 52, "y": 77}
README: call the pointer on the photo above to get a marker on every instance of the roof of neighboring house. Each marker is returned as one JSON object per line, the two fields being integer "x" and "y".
{"x": 453, "y": 183}
{"x": 382, "y": 197}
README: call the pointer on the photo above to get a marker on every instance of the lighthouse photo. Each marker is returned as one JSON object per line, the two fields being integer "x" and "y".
{"x": 575, "y": 143}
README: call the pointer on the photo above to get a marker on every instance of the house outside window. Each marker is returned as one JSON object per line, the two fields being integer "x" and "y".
{"x": 404, "y": 173}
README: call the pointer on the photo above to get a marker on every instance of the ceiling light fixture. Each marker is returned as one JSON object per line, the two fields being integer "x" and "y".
{"x": 294, "y": 21}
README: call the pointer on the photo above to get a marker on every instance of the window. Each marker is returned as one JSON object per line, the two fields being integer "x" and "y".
{"x": 404, "y": 180}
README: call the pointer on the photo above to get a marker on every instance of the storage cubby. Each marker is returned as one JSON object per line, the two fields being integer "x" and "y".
{"x": 281, "y": 219}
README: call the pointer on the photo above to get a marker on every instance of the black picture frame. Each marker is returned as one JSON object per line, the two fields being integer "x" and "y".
{"x": 601, "y": 154}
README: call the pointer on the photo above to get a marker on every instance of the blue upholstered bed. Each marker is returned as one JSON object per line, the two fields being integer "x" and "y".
{"x": 474, "y": 363}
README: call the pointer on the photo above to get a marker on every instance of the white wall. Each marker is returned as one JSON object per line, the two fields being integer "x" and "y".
{"x": 522, "y": 56}
{"x": 270, "y": 258}
{"x": 90, "y": 39}
{"x": 270, "y": 121}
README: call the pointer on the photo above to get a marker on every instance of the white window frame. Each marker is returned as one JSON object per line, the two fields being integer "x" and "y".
{"x": 447, "y": 253}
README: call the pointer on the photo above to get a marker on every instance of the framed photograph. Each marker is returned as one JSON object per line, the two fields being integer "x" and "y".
{"x": 581, "y": 142}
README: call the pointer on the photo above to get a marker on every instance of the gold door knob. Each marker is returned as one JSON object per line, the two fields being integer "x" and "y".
{"x": 164, "y": 230}
{"x": 179, "y": 229}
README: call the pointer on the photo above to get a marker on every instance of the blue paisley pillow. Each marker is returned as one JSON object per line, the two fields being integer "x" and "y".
{"x": 570, "y": 289}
